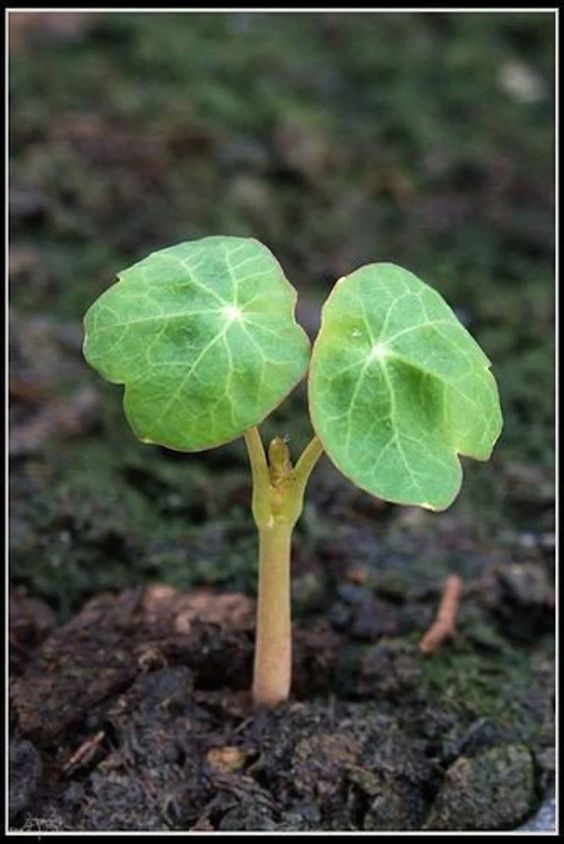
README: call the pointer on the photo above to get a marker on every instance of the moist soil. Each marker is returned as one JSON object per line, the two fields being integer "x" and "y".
{"x": 135, "y": 714}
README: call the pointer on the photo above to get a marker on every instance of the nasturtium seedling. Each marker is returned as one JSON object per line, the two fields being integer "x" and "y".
{"x": 203, "y": 337}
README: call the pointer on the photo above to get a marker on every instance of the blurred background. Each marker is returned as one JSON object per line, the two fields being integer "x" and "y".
{"x": 337, "y": 140}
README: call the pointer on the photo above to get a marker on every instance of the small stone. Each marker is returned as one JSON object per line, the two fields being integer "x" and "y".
{"x": 545, "y": 819}
{"x": 521, "y": 82}
{"x": 226, "y": 759}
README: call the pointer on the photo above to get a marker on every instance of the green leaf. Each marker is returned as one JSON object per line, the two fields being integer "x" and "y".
{"x": 204, "y": 338}
{"x": 398, "y": 388}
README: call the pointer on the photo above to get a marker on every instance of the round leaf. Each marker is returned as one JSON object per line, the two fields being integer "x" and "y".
{"x": 204, "y": 338}
{"x": 398, "y": 388}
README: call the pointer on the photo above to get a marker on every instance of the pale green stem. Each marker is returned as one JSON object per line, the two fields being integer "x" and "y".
{"x": 309, "y": 457}
{"x": 259, "y": 472}
{"x": 273, "y": 644}
{"x": 276, "y": 509}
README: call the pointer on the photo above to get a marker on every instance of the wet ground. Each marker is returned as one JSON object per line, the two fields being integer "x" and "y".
{"x": 136, "y": 714}
{"x": 133, "y": 568}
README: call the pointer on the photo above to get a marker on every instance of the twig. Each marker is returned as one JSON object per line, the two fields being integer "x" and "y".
{"x": 85, "y": 752}
{"x": 444, "y": 625}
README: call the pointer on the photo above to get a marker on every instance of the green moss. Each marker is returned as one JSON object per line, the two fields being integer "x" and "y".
{"x": 500, "y": 686}
{"x": 492, "y": 791}
{"x": 90, "y": 516}
{"x": 138, "y": 134}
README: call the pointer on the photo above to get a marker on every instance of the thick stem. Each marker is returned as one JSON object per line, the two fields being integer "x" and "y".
{"x": 273, "y": 653}
{"x": 278, "y": 491}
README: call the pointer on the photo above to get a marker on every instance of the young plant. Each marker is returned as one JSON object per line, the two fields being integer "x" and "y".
{"x": 203, "y": 337}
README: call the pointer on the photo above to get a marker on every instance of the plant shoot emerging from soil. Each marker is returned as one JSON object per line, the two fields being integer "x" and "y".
{"x": 203, "y": 337}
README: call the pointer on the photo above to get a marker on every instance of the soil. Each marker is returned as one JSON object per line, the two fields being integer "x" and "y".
{"x": 135, "y": 715}
{"x": 133, "y": 569}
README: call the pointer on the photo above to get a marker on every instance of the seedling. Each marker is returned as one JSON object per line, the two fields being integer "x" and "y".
{"x": 203, "y": 337}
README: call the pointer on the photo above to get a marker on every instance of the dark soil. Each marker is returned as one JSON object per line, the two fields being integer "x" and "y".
{"x": 135, "y": 715}
{"x": 336, "y": 139}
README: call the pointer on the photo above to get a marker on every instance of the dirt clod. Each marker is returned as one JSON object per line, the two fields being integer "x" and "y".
{"x": 493, "y": 790}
